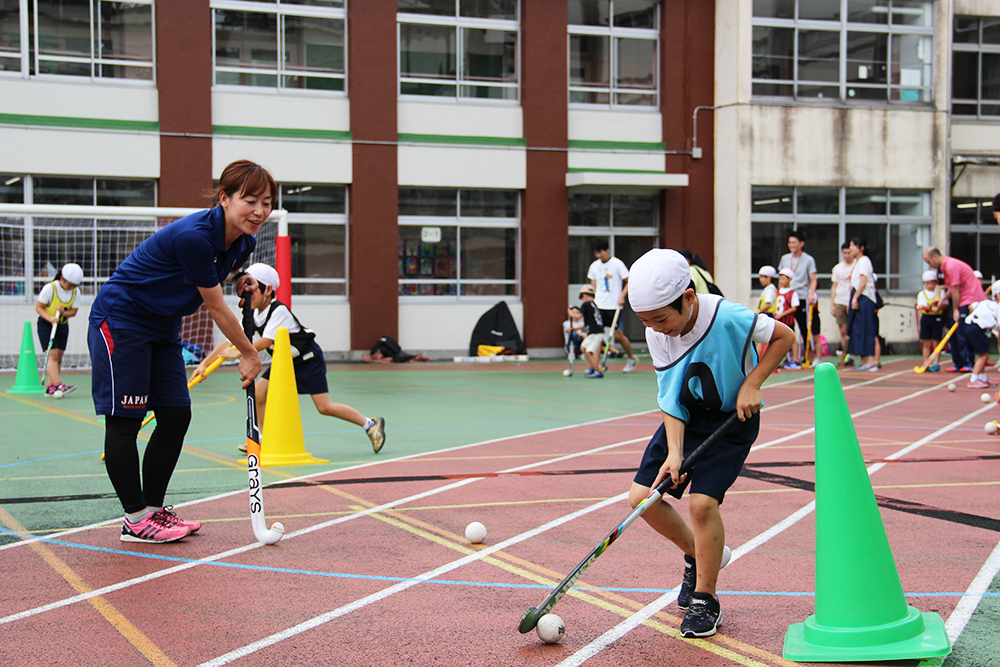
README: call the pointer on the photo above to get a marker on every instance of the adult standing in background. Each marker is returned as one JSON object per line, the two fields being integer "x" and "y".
{"x": 840, "y": 295}
{"x": 804, "y": 283}
{"x": 861, "y": 323}
{"x": 609, "y": 277}
{"x": 964, "y": 290}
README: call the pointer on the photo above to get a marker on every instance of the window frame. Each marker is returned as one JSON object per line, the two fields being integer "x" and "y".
{"x": 331, "y": 219}
{"x": 845, "y": 88}
{"x": 31, "y": 58}
{"x": 279, "y": 71}
{"x": 460, "y": 222}
{"x": 459, "y": 23}
{"x": 979, "y": 49}
{"x": 889, "y": 281}
{"x": 614, "y": 34}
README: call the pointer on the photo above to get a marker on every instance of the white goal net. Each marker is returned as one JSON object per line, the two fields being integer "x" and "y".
{"x": 36, "y": 241}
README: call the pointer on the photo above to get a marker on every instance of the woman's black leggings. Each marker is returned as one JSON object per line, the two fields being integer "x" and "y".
{"x": 121, "y": 455}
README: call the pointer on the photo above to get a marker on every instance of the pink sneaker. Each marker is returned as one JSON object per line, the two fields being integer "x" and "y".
{"x": 979, "y": 384}
{"x": 66, "y": 388}
{"x": 154, "y": 528}
{"x": 168, "y": 515}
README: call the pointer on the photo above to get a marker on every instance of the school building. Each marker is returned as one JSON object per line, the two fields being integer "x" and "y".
{"x": 436, "y": 156}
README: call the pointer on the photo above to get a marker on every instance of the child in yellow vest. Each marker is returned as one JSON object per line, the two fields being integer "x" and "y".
{"x": 55, "y": 306}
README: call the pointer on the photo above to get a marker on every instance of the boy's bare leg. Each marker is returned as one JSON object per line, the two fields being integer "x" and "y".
{"x": 593, "y": 360}
{"x": 54, "y": 366}
{"x": 325, "y": 407}
{"x": 260, "y": 394}
{"x": 666, "y": 520}
{"x": 709, "y": 539}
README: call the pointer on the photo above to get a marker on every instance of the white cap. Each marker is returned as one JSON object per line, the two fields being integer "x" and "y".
{"x": 977, "y": 273}
{"x": 929, "y": 275}
{"x": 73, "y": 273}
{"x": 265, "y": 274}
{"x": 656, "y": 279}
{"x": 995, "y": 290}
{"x": 787, "y": 272}
{"x": 768, "y": 270}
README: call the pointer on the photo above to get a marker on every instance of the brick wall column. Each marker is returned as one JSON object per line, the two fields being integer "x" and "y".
{"x": 545, "y": 206}
{"x": 373, "y": 229}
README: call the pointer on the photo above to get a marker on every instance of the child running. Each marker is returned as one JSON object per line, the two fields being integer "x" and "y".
{"x": 931, "y": 303}
{"x": 307, "y": 357}
{"x": 706, "y": 369}
{"x": 54, "y": 308}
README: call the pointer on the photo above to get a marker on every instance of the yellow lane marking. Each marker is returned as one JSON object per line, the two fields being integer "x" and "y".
{"x": 132, "y": 634}
{"x": 455, "y": 542}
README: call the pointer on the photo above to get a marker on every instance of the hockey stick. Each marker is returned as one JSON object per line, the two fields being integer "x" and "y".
{"x": 48, "y": 350}
{"x": 260, "y": 530}
{"x": 569, "y": 357}
{"x": 937, "y": 350}
{"x": 530, "y": 618}
{"x": 607, "y": 343}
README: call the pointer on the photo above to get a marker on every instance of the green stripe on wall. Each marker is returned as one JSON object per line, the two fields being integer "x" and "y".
{"x": 465, "y": 141}
{"x": 618, "y": 145}
{"x": 286, "y": 133}
{"x": 80, "y": 123}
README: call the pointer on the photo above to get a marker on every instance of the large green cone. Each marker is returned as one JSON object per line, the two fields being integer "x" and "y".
{"x": 861, "y": 612}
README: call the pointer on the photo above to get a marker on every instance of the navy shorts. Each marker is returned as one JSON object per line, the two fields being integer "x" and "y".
{"x": 45, "y": 330}
{"x": 718, "y": 470}
{"x": 134, "y": 371}
{"x": 931, "y": 327}
{"x": 608, "y": 315}
{"x": 975, "y": 338}
{"x": 310, "y": 372}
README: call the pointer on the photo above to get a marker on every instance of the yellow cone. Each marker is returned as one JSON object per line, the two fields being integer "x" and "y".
{"x": 281, "y": 442}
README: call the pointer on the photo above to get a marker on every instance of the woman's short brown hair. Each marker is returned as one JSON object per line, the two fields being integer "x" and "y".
{"x": 247, "y": 177}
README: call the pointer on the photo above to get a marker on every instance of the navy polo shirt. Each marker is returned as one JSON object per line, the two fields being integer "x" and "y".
{"x": 157, "y": 285}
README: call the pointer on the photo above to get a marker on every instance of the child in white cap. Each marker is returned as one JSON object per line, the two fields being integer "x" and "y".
{"x": 307, "y": 357}
{"x": 55, "y": 306}
{"x": 931, "y": 304}
{"x": 707, "y": 368}
{"x": 769, "y": 293}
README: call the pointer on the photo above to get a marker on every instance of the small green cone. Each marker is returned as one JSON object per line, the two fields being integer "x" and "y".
{"x": 861, "y": 611}
{"x": 27, "y": 381}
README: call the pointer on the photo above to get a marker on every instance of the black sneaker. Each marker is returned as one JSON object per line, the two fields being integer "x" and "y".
{"x": 704, "y": 616}
{"x": 688, "y": 583}
{"x": 690, "y": 580}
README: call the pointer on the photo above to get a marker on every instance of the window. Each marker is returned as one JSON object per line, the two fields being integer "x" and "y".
{"x": 94, "y": 39}
{"x": 613, "y": 52}
{"x": 848, "y": 50}
{"x": 974, "y": 234}
{"x": 458, "y": 48}
{"x": 98, "y": 245}
{"x": 458, "y": 243}
{"x": 896, "y": 224}
{"x": 317, "y": 228}
{"x": 630, "y": 225}
{"x": 286, "y": 44}
{"x": 975, "y": 68}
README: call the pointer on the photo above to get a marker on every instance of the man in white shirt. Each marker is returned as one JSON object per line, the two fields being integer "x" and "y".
{"x": 804, "y": 283}
{"x": 609, "y": 277}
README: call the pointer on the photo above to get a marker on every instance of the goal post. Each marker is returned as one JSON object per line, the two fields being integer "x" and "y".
{"x": 36, "y": 240}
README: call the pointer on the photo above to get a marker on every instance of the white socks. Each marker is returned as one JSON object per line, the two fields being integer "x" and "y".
{"x": 369, "y": 423}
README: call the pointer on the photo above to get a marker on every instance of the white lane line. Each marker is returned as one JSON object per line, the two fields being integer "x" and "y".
{"x": 384, "y": 461}
{"x": 619, "y": 630}
{"x": 232, "y": 552}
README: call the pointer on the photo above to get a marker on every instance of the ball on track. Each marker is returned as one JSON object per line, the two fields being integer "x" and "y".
{"x": 567, "y": 373}
{"x": 475, "y": 532}
{"x": 57, "y": 394}
{"x": 990, "y": 428}
{"x": 550, "y": 629}
{"x": 951, "y": 387}
{"x": 986, "y": 398}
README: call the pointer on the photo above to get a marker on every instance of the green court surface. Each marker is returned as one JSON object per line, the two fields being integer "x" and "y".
{"x": 52, "y": 477}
